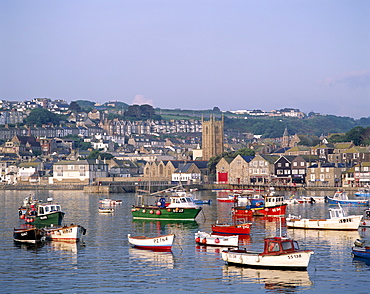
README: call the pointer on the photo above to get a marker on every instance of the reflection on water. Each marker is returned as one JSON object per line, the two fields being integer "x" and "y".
{"x": 108, "y": 264}
{"x": 335, "y": 238}
{"x": 72, "y": 247}
{"x": 273, "y": 279}
{"x": 144, "y": 258}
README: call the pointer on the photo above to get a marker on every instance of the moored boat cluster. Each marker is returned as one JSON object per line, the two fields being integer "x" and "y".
{"x": 43, "y": 222}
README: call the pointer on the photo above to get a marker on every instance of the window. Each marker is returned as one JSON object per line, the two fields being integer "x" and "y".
{"x": 274, "y": 247}
{"x": 279, "y": 164}
{"x": 295, "y": 163}
{"x": 302, "y": 163}
{"x": 286, "y": 164}
{"x": 286, "y": 245}
{"x": 71, "y": 167}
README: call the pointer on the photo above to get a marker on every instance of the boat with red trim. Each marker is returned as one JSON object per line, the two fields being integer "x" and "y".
{"x": 71, "y": 233}
{"x": 232, "y": 229}
{"x": 278, "y": 253}
{"x": 204, "y": 238}
{"x": 158, "y": 243}
{"x": 273, "y": 206}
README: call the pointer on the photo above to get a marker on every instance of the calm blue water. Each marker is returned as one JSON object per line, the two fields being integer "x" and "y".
{"x": 107, "y": 264}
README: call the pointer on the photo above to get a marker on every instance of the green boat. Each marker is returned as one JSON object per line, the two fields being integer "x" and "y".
{"x": 181, "y": 206}
{"x": 40, "y": 214}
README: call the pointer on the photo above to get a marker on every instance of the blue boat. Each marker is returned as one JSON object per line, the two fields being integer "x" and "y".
{"x": 365, "y": 192}
{"x": 341, "y": 197}
{"x": 359, "y": 250}
{"x": 200, "y": 201}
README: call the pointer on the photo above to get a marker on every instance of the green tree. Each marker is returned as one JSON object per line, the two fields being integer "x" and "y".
{"x": 95, "y": 154}
{"x": 40, "y": 116}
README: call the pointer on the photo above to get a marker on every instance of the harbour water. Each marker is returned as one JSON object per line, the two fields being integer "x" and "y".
{"x": 106, "y": 263}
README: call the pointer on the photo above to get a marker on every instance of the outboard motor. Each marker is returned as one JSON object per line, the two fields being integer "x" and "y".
{"x": 359, "y": 243}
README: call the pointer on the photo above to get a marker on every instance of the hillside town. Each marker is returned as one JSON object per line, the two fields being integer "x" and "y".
{"x": 49, "y": 154}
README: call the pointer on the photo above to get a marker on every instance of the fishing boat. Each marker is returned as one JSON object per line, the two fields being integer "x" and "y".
{"x": 42, "y": 214}
{"x": 72, "y": 233}
{"x": 360, "y": 250}
{"x": 159, "y": 243}
{"x": 365, "y": 221}
{"x": 232, "y": 229}
{"x": 204, "y": 238}
{"x": 363, "y": 192}
{"x": 338, "y": 220}
{"x": 342, "y": 198}
{"x": 29, "y": 235}
{"x": 180, "y": 206}
{"x": 273, "y": 206}
{"x": 278, "y": 253}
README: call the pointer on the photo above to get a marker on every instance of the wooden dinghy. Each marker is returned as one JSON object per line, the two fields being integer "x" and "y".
{"x": 159, "y": 243}
{"x": 204, "y": 238}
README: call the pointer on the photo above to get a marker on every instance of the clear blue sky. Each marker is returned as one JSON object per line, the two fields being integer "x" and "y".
{"x": 191, "y": 54}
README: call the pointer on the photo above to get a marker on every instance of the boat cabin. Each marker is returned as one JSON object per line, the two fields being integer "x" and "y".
{"x": 340, "y": 195}
{"x": 48, "y": 208}
{"x": 271, "y": 201}
{"x": 181, "y": 201}
{"x": 280, "y": 245}
{"x": 337, "y": 212}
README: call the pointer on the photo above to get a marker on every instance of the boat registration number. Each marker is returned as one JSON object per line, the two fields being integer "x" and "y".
{"x": 178, "y": 210}
{"x": 160, "y": 240}
{"x": 294, "y": 256}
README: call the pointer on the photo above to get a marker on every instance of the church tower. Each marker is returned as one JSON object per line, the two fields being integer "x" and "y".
{"x": 285, "y": 140}
{"x": 212, "y": 137}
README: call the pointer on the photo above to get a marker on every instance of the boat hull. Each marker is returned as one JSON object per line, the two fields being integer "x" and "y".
{"x": 344, "y": 223}
{"x": 361, "y": 252}
{"x": 54, "y": 218}
{"x": 203, "y": 238}
{"x": 348, "y": 202}
{"x": 160, "y": 243}
{"x": 73, "y": 233}
{"x": 264, "y": 211}
{"x": 153, "y": 212}
{"x": 30, "y": 235}
{"x": 226, "y": 229}
{"x": 298, "y": 260}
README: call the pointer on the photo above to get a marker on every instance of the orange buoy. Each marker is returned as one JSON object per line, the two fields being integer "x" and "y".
{"x": 158, "y": 212}
{"x": 151, "y": 212}
{"x": 217, "y": 240}
{"x": 197, "y": 239}
{"x": 204, "y": 241}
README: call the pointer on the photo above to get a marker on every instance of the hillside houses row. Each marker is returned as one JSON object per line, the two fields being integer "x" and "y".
{"x": 307, "y": 170}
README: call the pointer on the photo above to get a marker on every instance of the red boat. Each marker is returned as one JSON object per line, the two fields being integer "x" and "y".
{"x": 274, "y": 206}
{"x": 228, "y": 229}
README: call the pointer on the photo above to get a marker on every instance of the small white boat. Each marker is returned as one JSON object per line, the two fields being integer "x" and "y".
{"x": 339, "y": 220}
{"x": 204, "y": 238}
{"x": 106, "y": 209}
{"x": 72, "y": 233}
{"x": 159, "y": 243}
{"x": 107, "y": 201}
{"x": 279, "y": 252}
